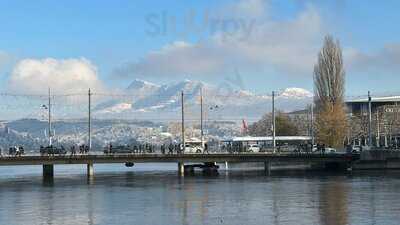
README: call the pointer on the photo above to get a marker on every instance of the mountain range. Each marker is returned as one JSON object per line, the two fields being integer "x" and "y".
{"x": 146, "y": 100}
{"x": 141, "y": 112}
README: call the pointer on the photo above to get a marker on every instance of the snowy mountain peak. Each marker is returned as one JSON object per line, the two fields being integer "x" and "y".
{"x": 294, "y": 92}
{"x": 148, "y": 98}
{"x": 141, "y": 84}
{"x": 187, "y": 86}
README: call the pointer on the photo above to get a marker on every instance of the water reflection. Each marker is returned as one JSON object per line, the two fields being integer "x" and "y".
{"x": 195, "y": 200}
{"x": 234, "y": 198}
{"x": 90, "y": 206}
{"x": 333, "y": 202}
{"x": 90, "y": 180}
{"x": 48, "y": 181}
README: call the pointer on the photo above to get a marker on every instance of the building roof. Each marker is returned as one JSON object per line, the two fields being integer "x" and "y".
{"x": 270, "y": 138}
{"x": 299, "y": 112}
{"x": 376, "y": 99}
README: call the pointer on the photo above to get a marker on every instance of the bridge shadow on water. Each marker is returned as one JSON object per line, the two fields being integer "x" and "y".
{"x": 156, "y": 177}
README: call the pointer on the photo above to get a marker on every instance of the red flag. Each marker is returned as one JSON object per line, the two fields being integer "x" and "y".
{"x": 244, "y": 126}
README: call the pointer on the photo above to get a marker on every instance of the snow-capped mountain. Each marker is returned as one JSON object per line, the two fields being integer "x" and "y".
{"x": 138, "y": 89}
{"x": 142, "y": 88}
{"x": 146, "y": 100}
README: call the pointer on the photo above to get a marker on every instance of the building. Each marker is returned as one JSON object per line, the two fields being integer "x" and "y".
{"x": 385, "y": 121}
{"x": 385, "y": 124}
{"x": 360, "y": 106}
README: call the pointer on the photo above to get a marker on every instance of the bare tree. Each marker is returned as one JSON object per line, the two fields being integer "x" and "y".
{"x": 329, "y": 81}
{"x": 358, "y": 128}
{"x": 285, "y": 126}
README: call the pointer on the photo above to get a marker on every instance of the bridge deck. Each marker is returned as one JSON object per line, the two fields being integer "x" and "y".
{"x": 166, "y": 158}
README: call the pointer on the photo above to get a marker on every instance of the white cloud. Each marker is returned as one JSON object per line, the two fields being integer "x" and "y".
{"x": 386, "y": 59}
{"x": 63, "y": 76}
{"x": 287, "y": 46}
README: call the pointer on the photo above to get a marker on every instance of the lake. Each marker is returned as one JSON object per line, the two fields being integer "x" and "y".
{"x": 155, "y": 194}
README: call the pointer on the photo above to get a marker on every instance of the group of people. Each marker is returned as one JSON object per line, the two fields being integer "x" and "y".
{"x": 53, "y": 150}
{"x": 321, "y": 148}
{"x": 83, "y": 149}
{"x": 141, "y": 148}
{"x": 172, "y": 148}
{"x": 15, "y": 150}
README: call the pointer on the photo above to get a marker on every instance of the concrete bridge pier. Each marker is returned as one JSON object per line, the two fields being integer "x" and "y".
{"x": 181, "y": 169}
{"x": 267, "y": 167}
{"x": 48, "y": 171}
{"x": 90, "y": 170}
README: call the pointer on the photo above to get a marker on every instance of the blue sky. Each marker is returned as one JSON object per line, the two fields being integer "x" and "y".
{"x": 122, "y": 40}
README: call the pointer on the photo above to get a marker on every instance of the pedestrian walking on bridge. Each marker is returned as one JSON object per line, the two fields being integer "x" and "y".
{"x": 206, "y": 148}
{"x": 162, "y": 149}
{"x": 170, "y": 148}
{"x": 73, "y": 150}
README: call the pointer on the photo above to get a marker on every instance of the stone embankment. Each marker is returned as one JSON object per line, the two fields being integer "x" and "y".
{"x": 378, "y": 159}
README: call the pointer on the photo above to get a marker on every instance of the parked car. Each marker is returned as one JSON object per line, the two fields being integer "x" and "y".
{"x": 327, "y": 150}
{"x": 194, "y": 146}
{"x": 253, "y": 148}
{"x": 52, "y": 150}
{"x": 356, "y": 148}
{"x": 330, "y": 150}
{"x": 287, "y": 148}
{"x": 190, "y": 148}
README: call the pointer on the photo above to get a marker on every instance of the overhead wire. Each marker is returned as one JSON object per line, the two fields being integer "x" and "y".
{"x": 67, "y": 106}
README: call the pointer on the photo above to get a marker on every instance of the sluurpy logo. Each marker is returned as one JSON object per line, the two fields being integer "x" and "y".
{"x": 197, "y": 24}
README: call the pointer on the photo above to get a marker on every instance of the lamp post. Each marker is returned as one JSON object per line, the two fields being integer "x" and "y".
{"x": 369, "y": 119}
{"x": 183, "y": 122}
{"x": 89, "y": 120}
{"x": 49, "y": 118}
{"x": 273, "y": 121}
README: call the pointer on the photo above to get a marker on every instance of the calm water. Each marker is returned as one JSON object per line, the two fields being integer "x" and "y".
{"x": 154, "y": 194}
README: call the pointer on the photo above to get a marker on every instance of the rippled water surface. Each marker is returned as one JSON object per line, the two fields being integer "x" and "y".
{"x": 155, "y": 194}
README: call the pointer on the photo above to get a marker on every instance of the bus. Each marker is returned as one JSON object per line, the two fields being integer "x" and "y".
{"x": 265, "y": 144}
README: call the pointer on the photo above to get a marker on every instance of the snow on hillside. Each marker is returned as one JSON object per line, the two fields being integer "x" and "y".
{"x": 117, "y": 108}
{"x": 149, "y": 100}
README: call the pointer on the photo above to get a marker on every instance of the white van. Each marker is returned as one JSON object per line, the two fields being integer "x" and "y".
{"x": 194, "y": 147}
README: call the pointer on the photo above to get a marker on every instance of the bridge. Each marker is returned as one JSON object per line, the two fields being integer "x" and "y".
{"x": 48, "y": 161}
